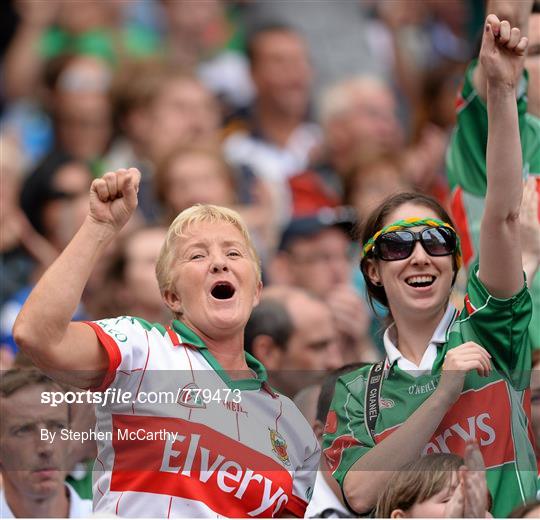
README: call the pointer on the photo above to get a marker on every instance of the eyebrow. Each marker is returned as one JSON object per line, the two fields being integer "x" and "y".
{"x": 227, "y": 243}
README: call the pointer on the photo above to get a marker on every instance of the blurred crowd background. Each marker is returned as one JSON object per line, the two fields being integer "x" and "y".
{"x": 302, "y": 115}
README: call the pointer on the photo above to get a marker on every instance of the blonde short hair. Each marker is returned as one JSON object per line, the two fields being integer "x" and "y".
{"x": 186, "y": 219}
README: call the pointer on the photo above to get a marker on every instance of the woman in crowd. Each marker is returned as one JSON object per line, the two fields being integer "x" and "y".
{"x": 225, "y": 444}
{"x": 447, "y": 377}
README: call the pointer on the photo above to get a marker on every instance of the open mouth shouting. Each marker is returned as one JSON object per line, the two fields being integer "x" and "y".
{"x": 223, "y": 290}
{"x": 420, "y": 281}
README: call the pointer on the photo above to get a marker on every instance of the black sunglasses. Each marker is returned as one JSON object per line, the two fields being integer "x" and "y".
{"x": 398, "y": 245}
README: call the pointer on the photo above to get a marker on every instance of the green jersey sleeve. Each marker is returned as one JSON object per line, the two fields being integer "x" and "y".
{"x": 466, "y": 155}
{"x": 498, "y": 325}
{"x": 346, "y": 438}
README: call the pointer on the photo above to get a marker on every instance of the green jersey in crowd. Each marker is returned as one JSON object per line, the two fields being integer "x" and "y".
{"x": 466, "y": 168}
{"x": 495, "y": 410}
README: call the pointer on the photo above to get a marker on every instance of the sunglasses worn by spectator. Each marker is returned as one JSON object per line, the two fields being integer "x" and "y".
{"x": 398, "y": 245}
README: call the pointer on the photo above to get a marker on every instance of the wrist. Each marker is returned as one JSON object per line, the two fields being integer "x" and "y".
{"x": 502, "y": 88}
{"x": 101, "y": 232}
{"x": 442, "y": 398}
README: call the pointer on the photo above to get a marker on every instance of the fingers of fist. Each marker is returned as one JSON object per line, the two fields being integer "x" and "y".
{"x": 116, "y": 184}
{"x": 506, "y": 35}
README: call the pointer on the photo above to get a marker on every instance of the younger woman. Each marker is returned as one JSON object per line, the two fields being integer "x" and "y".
{"x": 447, "y": 378}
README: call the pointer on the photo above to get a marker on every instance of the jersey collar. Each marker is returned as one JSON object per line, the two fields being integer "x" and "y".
{"x": 188, "y": 337}
{"x": 440, "y": 336}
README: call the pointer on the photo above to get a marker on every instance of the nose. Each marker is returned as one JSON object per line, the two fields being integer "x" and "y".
{"x": 44, "y": 448}
{"x": 219, "y": 263}
{"x": 419, "y": 255}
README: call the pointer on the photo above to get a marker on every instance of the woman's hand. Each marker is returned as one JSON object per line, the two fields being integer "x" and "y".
{"x": 457, "y": 362}
{"x": 113, "y": 197}
{"x": 502, "y": 53}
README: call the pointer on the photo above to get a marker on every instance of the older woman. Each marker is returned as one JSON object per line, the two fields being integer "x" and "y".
{"x": 200, "y": 432}
{"x": 448, "y": 377}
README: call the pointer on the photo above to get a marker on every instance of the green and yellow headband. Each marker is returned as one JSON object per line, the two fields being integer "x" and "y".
{"x": 412, "y": 222}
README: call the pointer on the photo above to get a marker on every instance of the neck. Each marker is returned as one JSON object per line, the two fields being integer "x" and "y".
{"x": 228, "y": 351}
{"x": 276, "y": 125}
{"x": 56, "y": 505}
{"x": 413, "y": 333}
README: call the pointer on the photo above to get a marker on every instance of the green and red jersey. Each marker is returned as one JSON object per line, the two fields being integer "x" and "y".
{"x": 495, "y": 410}
{"x": 466, "y": 169}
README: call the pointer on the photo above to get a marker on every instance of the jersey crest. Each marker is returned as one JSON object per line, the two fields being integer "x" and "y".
{"x": 279, "y": 446}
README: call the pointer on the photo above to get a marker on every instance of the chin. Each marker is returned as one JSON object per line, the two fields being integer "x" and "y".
{"x": 46, "y": 488}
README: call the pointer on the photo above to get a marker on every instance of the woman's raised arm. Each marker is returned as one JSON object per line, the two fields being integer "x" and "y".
{"x": 70, "y": 351}
{"x": 502, "y": 54}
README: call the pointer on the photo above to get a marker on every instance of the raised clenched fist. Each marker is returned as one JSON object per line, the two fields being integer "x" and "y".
{"x": 113, "y": 197}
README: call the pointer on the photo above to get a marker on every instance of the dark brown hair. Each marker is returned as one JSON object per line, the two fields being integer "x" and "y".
{"x": 375, "y": 222}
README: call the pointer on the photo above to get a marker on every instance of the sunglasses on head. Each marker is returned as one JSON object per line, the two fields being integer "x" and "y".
{"x": 399, "y": 244}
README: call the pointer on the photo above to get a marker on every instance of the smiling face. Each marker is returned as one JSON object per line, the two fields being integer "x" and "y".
{"x": 214, "y": 280}
{"x": 420, "y": 283}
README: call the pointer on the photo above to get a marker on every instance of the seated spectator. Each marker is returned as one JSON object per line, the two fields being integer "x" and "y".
{"x": 200, "y": 175}
{"x": 158, "y": 108}
{"x": 80, "y": 106}
{"x": 20, "y": 246}
{"x": 33, "y": 470}
{"x": 49, "y": 29}
{"x": 371, "y": 180}
{"x": 275, "y": 128}
{"x": 129, "y": 286}
{"x": 202, "y": 36}
{"x": 327, "y": 500}
{"x": 314, "y": 254}
{"x": 292, "y": 333}
{"x": 82, "y": 418}
{"x": 274, "y": 137}
{"x": 439, "y": 485}
{"x": 358, "y": 116}
{"x": 54, "y": 199}
{"x": 194, "y": 175}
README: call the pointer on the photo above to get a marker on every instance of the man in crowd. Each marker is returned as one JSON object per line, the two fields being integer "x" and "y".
{"x": 293, "y": 334}
{"x": 33, "y": 470}
{"x": 314, "y": 255}
{"x": 276, "y": 126}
